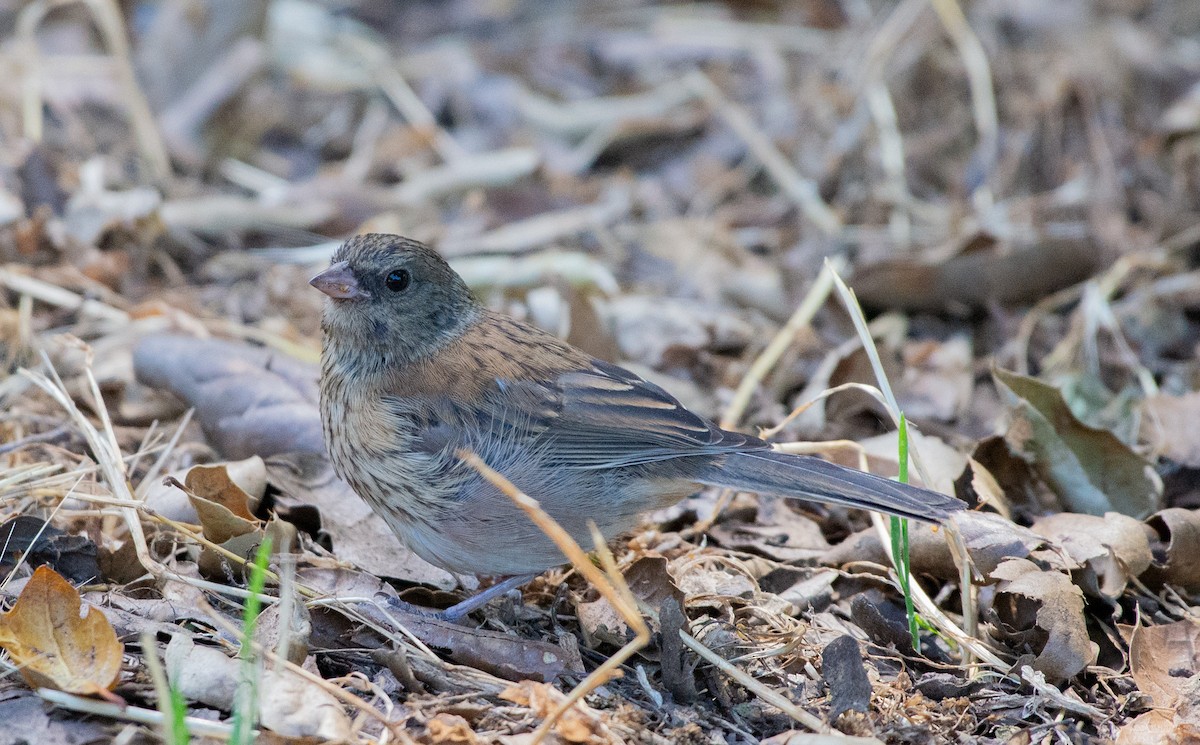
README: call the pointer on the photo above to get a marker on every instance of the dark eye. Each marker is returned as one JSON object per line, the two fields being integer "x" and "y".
{"x": 398, "y": 280}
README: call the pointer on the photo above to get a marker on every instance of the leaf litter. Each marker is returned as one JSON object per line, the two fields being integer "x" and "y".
{"x": 659, "y": 185}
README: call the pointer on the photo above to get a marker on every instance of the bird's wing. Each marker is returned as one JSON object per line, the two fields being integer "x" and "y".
{"x": 606, "y": 417}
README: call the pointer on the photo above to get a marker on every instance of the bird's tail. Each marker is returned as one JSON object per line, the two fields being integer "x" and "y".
{"x": 805, "y": 477}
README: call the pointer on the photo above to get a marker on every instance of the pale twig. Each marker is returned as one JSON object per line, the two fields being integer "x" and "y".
{"x": 59, "y": 297}
{"x": 539, "y": 230}
{"x": 577, "y": 118}
{"x": 610, "y": 584}
{"x": 764, "y": 692}
{"x": 125, "y": 712}
{"x": 491, "y": 169}
{"x": 800, "y": 190}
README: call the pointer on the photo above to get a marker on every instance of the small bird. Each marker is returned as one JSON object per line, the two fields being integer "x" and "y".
{"x": 413, "y": 369}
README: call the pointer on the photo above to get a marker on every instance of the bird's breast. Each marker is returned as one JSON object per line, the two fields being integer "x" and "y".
{"x": 373, "y": 449}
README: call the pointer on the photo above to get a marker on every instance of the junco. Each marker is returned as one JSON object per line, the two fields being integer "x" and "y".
{"x": 413, "y": 369}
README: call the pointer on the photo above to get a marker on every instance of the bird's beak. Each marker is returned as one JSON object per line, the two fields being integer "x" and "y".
{"x": 338, "y": 282}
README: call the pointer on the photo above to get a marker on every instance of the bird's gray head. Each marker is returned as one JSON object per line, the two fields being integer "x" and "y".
{"x": 391, "y": 299}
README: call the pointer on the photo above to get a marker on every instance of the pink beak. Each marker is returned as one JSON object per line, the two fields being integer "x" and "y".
{"x": 338, "y": 282}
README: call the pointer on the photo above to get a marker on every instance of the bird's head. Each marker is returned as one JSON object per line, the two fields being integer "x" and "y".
{"x": 393, "y": 298}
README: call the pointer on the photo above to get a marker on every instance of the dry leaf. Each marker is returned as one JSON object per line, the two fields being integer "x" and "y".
{"x": 1042, "y": 613}
{"x": 1090, "y": 469}
{"x": 1162, "y": 657}
{"x": 451, "y": 729}
{"x": 1178, "y": 534}
{"x": 237, "y": 486}
{"x": 54, "y": 644}
{"x": 579, "y": 724}
{"x": 1113, "y": 548}
{"x": 650, "y": 582}
{"x": 1168, "y": 424}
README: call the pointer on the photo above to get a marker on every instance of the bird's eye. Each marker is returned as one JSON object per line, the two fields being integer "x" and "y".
{"x": 398, "y": 280}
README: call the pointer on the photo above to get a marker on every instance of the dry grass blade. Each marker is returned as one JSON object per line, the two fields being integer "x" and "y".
{"x": 109, "y": 20}
{"x": 127, "y": 713}
{"x": 968, "y": 639}
{"x": 609, "y": 583}
{"x": 104, "y": 445}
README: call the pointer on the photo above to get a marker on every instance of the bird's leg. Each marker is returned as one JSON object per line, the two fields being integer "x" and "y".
{"x": 460, "y": 610}
{"x": 480, "y": 599}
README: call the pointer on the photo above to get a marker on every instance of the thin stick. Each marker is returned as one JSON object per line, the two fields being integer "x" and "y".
{"x": 612, "y": 587}
{"x": 767, "y": 694}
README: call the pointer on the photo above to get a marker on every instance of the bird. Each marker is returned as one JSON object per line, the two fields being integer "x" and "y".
{"x": 414, "y": 370}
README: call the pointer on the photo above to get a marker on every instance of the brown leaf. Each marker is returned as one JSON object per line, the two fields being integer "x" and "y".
{"x": 650, "y": 582}
{"x": 1162, "y": 657}
{"x": 216, "y": 485}
{"x": 1113, "y": 548}
{"x": 55, "y": 645}
{"x": 1042, "y": 612}
{"x": 1178, "y": 534}
{"x": 1090, "y": 469}
{"x": 451, "y": 729}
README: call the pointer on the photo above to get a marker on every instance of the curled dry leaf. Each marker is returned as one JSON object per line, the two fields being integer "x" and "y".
{"x": 1090, "y": 469}
{"x": 450, "y": 729}
{"x": 236, "y": 486}
{"x": 1111, "y": 549}
{"x": 1161, "y": 657}
{"x": 54, "y": 643}
{"x": 247, "y": 478}
{"x": 249, "y": 400}
{"x": 1041, "y": 613}
{"x": 1177, "y": 533}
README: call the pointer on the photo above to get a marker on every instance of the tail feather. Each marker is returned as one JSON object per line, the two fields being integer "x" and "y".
{"x": 806, "y": 477}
